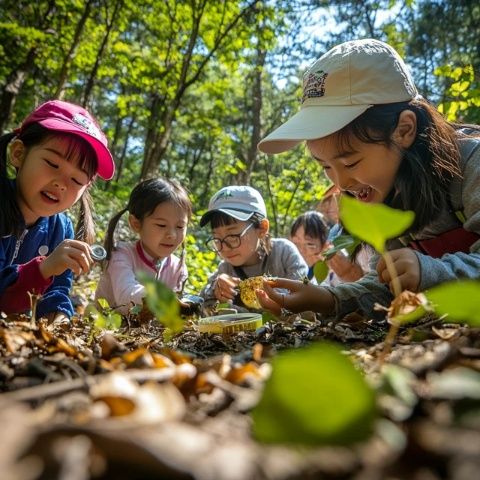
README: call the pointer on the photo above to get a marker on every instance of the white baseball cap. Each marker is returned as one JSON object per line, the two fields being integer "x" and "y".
{"x": 340, "y": 86}
{"x": 238, "y": 201}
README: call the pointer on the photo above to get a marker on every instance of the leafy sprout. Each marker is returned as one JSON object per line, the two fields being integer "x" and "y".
{"x": 315, "y": 396}
{"x": 163, "y": 303}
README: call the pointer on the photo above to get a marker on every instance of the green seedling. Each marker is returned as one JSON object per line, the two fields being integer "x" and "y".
{"x": 107, "y": 318}
{"x": 315, "y": 396}
{"x": 103, "y": 318}
{"x": 320, "y": 271}
{"x": 341, "y": 243}
{"x": 375, "y": 223}
{"x": 459, "y": 301}
{"x": 163, "y": 303}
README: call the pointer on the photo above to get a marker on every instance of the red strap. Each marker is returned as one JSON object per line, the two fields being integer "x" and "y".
{"x": 452, "y": 241}
{"x": 143, "y": 257}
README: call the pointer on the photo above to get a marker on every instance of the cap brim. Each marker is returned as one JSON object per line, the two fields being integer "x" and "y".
{"x": 105, "y": 163}
{"x": 310, "y": 123}
{"x": 236, "y": 214}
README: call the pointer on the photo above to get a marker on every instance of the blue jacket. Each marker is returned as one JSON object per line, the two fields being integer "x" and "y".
{"x": 19, "y": 268}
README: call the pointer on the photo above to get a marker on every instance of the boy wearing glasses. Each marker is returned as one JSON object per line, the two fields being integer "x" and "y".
{"x": 239, "y": 224}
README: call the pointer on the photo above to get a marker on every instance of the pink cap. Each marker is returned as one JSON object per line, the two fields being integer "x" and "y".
{"x": 68, "y": 117}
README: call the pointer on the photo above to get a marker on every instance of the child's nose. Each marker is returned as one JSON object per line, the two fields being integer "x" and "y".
{"x": 171, "y": 233}
{"x": 60, "y": 183}
{"x": 343, "y": 179}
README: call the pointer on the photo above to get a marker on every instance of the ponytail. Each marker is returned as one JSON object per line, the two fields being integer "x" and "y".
{"x": 11, "y": 219}
{"x": 85, "y": 228}
{"x": 112, "y": 225}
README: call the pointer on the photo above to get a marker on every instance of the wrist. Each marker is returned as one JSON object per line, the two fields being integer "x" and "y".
{"x": 44, "y": 268}
{"x": 321, "y": 300}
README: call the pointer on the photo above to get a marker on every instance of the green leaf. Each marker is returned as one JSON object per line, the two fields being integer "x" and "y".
{"x": 374, "y": 223}
{"x": 410, "y": 316}
{"x": 459, "y": 300}
{"x": 315, "y": 396}
{"x": 163, "y": 303}
{"x": 342, "y": 242}
{"x": 103, "y": 303}
{"x": 320, "y": 270}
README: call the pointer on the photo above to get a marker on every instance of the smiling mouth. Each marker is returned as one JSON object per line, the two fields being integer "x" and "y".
{"x": 362, "y": 194}
{"x": 50, "y": 196}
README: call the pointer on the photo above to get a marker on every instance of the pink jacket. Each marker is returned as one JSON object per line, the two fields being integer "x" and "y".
{"x": 118, "y": 283}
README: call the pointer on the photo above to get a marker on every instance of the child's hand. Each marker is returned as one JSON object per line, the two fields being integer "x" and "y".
{"x": 226, "y": 287}
{"x": 70, "y": 254}
{"x": 312, "y": 258}
{"x": 345, "y": 269}
{"x": 301, "y": 297}
{"x": 406, "y": 266}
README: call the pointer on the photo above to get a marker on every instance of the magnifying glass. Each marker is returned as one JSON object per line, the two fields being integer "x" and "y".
{"x": 98, "y": 253}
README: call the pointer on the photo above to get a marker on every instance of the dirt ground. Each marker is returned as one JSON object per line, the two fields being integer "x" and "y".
{"x": 79, "y": 402}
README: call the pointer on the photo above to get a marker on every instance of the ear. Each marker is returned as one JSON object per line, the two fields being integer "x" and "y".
{"x": 263, "y": 227}
{"x": 135, "y": 223}
{"x": 17, "y": 153}
{"x": 406, "y": 130}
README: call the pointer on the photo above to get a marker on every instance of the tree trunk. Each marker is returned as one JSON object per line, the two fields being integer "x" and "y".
{"x": 67, "y": 61}
{"x": 93, "y": 74}
{"x": 121, "y": 158}
{"x": 17, "y": 77}
{"x": 256, "y": 108}
{"x": 155, "y": 151}
{"x": 14, "y": 84}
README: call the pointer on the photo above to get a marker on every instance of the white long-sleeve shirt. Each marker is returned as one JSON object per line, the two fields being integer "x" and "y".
{"x": 119, "y": 284}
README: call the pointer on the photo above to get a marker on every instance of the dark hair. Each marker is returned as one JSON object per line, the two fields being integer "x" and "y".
{"x": 220, "y": 219}
{"x": 428, "y": 165}
{"x": 144, "y": 199}
{"x": 313, "y": 224}
{"x": 11, "y": 219}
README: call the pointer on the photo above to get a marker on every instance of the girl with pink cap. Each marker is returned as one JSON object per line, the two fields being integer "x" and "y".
{"x": 57, "y": 153}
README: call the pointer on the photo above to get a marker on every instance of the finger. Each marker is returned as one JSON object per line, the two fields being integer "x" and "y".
{"x": 69, "y": 263}
{"x": 281, "y": 283}
{"x": 81, "y": 258}
{"x": 407, "y": 282}
{"x": 85, "y": 264}
{"x": 267, "y": 303}
{"x": 273, "y": 294}
{"x": 384, "y": 276}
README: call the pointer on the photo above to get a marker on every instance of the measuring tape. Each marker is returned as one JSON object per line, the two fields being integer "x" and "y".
{"x": 230, "y": 323}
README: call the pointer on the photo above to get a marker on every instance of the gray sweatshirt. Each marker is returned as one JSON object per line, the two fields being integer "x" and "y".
{"x": 283, "y": 261}
{"x": 362, "y": 295}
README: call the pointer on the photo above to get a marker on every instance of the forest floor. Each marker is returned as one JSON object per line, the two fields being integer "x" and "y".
{"x": 81, "y": 403}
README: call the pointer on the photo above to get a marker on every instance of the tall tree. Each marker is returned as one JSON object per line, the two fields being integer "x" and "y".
{"x": 22, "y": 36}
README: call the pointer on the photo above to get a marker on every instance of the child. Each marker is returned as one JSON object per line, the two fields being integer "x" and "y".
{"x": 309, "y": 234}
{"x": 379, "y": 141}
{"x": 238, "y": 219}
{"x": 57, "y": 153}
{"x": 342, "y": 268}
{"x": 328, "y": 206}
{"x": 159, "y": 211}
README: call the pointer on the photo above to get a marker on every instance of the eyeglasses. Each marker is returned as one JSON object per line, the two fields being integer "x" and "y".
{"x": 311, "y": 247}
{"x": 231, "y": 241}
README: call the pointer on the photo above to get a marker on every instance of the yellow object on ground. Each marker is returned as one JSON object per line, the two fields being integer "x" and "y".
{"x": 231, "y": 323}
